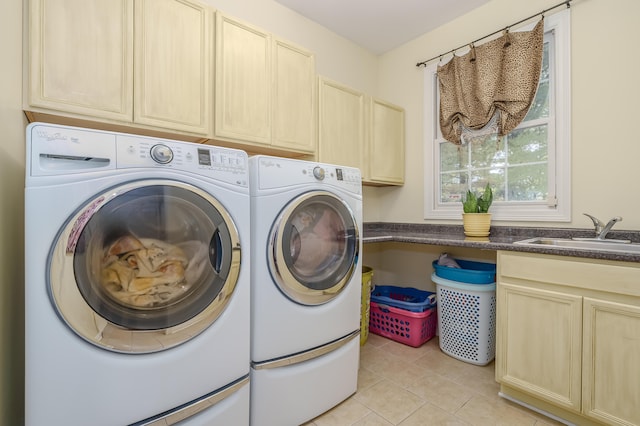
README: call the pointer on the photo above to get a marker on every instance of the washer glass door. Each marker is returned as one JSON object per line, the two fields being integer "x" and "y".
{"x": 145, "y": 266}
{"x": 313, "y": 248}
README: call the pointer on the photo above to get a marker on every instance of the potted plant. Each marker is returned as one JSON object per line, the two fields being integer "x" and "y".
{"x": 476, "y": 218}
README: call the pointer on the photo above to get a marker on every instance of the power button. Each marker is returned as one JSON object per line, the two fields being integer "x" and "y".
{"x": 161, "y": 154}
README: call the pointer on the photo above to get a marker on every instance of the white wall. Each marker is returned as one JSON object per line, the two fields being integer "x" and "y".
{"x": 605, "y": 92}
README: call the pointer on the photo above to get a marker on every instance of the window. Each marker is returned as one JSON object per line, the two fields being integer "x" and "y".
{"x": 530, "y": 168}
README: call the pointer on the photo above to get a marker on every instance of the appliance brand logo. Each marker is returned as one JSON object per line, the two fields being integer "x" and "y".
{"x": 54, "y": 136}
{"x": 268, "y": 163}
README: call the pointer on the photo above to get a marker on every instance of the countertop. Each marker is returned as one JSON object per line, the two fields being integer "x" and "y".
{"x": 500, "y": 238}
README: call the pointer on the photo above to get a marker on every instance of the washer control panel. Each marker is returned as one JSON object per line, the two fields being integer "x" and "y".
{"x": 225, "y": 164}
{"x": 56, "y": 150}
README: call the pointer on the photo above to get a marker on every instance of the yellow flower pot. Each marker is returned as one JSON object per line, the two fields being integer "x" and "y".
{"x": 476, "y": 224}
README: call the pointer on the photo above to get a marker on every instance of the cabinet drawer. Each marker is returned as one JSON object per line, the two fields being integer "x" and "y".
{"x": 601, "y": 275}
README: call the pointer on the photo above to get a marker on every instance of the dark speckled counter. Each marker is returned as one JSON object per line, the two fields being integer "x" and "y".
{"x": 501, "y": 238}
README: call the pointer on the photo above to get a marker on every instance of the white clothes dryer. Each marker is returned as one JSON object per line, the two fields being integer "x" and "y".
{"x": 137, "y": 286}
{"x": 305, "y": 287}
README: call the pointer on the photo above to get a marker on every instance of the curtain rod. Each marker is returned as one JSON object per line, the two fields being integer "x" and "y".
{"x": 567, "y": 2}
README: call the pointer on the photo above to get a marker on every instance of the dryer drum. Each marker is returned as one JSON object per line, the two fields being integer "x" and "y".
{"x": 317, "y": 247}
{"x": 314, "y": 248}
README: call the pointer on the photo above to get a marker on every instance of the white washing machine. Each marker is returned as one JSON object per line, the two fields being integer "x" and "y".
{"x": 305, "y": 288}
{"x": 137, "y": 280}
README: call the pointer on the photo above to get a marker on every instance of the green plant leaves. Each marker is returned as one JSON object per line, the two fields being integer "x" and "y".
{"x": 470, "y": 204}
{"x": 478, "y": 204}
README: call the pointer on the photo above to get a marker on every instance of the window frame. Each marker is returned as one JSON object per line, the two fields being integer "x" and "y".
{"x": 558, "y": 205}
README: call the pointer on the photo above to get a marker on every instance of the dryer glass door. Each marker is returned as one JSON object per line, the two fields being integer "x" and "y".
{"x": 314, "y": 247}
{"x": 145, "y": 266}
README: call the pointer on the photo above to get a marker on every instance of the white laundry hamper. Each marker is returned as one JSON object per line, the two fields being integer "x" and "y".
{"x": 466, "y": 319}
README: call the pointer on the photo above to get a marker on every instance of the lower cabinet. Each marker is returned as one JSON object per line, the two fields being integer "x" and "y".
{"x": 568, "y": 336}
{"x": 611, "y": 379}
{"x": 540, "y": 343}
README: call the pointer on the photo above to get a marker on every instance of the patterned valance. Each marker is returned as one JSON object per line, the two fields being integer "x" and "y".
{"x": 492, "y": 84}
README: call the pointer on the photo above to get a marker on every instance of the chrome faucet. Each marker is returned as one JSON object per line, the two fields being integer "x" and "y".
{"x": 601, "y": 229}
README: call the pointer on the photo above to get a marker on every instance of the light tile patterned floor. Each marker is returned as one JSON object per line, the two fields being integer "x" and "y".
{"x": 401, "y": 385}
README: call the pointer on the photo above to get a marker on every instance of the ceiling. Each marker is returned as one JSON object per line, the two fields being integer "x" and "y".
{"x": 381, "y": 25}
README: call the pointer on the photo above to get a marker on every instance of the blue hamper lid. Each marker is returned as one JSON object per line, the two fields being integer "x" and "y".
{"x": 470, "y": 272}
{"x": 407, "y": 298}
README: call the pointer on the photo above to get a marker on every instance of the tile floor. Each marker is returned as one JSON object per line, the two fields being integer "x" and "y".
{"x": 401, "y": 385}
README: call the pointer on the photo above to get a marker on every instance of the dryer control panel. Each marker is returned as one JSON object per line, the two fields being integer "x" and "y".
{"x": 277, "y": 172}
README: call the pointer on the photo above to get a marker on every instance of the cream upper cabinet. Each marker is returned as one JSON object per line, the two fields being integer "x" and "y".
{"x": 361, "y": 131}
{"x": 341, "y": 124}
{"x": 243, "y": 82}
{"x": 173, "y": 65}
{"x": 294, "y": 98}
{"x": 80, "y": 57}
{"x": 265, "y": 89}
{"x": 141, "y": 62}
{"x": 568, "y": 336}
{"x": 385, "y": 147}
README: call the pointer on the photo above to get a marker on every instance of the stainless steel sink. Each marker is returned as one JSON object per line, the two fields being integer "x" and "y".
{"x": 621, "y": 246}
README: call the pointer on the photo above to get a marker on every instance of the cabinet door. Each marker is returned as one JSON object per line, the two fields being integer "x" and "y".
{"x": 386, "y": 143}
{"x": 539, "y": 335}
{"x": 294, "y": 98}
{"x": 81, "y": 57}
{"x": 243, "y": 82}
{"x": 341, "y": 125}
{"x": 611, "y": 389}
{"x": 173, "y": 55}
